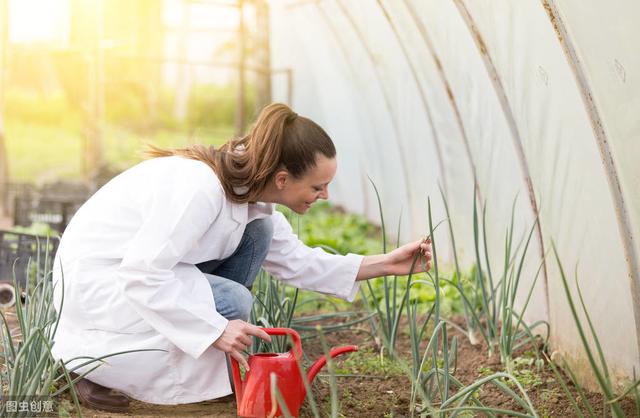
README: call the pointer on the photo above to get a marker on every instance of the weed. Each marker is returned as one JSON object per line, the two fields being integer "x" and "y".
{"x": 485, "y": 371}
{"x": 367, "y": 362}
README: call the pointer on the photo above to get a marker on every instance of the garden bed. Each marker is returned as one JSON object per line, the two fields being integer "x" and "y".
{"x": 384, "y": 390}
{"x": 373, "y": 383}
{"x": 371, "y": 388}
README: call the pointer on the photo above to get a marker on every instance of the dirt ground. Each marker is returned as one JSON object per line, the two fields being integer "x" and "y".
{"x": 372, "y": 389}
{"x": 389, "y": 396}
{"x": 385, "y": 392}
{"x": 226, "y": 409}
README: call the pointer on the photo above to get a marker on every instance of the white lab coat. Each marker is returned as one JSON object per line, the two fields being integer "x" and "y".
{"x": 130, "y": 281}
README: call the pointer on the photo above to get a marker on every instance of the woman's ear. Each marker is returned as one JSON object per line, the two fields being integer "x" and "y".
{"x": 281, "y": 178}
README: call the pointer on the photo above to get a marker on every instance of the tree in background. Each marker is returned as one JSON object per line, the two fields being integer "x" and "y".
{"x": 4, "y": 43}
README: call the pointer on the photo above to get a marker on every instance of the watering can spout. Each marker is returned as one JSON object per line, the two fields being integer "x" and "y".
{"x": 319, "y": 364}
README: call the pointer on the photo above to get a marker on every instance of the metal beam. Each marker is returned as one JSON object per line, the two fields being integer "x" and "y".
{"x": 387, "y": 99}
{"x": 611, "y": 171}
{"x": 354, "y": 72}
{"x": 421, "y": 93}
{"x": 507, "y": 110}
{"x": 447, "y": 86}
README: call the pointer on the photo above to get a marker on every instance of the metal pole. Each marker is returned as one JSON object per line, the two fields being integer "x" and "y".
{"x": 603, "y": 139}
{"x": 509, "y": 114}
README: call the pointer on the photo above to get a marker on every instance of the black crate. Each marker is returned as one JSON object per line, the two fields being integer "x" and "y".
{"x": 52, "y": 203}
{"x": 16, "y": 251}
{"x": 55, "y": 212}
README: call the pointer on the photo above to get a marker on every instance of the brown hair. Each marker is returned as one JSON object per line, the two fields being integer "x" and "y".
{"x": 279, "y": 139}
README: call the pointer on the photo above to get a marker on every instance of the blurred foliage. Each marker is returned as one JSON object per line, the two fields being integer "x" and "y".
{"x": 210, "y": 107}
{"x": 37, "y": 109}
{"x": 39, "y": 152}
{"x": 334, "y": 229}
{"x": 37, "y": 228}
{"x": 130, "y": 106}
{"x": 326, "y": 225}
{"x": 45, "y": 133}
{"x": 213, "y": 106}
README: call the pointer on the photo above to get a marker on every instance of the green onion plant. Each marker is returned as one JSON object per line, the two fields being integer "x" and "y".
{"x": 435, "y": 391}
{"x": 29, "y": 369}
{"x": 490, "y": 304}
{"x": 595, "y": 357}
{"x": 273, "y": 307}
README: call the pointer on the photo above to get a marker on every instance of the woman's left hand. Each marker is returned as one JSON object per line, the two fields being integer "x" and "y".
{"x": 398, "y": 262}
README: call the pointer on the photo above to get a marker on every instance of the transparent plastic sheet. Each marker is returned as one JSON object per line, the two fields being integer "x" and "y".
{"x": 352, "y": 76}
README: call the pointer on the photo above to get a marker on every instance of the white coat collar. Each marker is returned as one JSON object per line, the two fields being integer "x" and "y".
{"x": 247, "y": 212}
{"x": 243, "y": 213}
{"x": 260, "y": 210}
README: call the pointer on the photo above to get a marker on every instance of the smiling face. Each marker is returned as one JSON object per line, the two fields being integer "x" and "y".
{"x": 298, "y": 194}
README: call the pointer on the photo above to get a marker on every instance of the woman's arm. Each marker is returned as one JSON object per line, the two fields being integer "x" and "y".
{"x": 298, "y": 265}
{"x": 397, "y": 262}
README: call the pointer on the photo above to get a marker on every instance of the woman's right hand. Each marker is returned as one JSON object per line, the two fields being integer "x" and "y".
{"x": 237, "y": 337}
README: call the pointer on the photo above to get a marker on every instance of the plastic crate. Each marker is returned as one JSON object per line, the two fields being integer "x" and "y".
{"x": 21, "y": 252}
{"x": 55, "y": 212}
{"x": 52, "y": 203}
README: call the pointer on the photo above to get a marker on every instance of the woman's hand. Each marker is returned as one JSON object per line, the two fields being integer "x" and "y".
{"x": 398, "y": 262}
{"x": 236, "y": 337}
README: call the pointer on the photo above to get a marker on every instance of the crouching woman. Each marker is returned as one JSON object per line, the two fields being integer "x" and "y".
{"x": 165, "y": 254}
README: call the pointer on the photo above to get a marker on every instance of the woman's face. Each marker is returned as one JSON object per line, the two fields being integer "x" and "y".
{"x": 298, "y": 194}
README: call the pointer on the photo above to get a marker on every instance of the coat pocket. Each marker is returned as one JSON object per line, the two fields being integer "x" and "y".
{"x": 106, "y": 307}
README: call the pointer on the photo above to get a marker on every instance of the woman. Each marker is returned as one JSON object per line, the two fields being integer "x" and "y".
{"x": 164, "y": 255}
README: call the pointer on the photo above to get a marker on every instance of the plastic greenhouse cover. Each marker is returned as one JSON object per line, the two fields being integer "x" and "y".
{"x": 531, "y": 98}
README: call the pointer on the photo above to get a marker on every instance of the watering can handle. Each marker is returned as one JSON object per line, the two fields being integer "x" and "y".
{"x": 297, "y": 345}
{"x": 235, "y": 367}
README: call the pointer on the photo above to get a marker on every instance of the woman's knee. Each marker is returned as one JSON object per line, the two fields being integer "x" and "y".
{"x": 242, "y": 302}
{"x": 232, "y": 299}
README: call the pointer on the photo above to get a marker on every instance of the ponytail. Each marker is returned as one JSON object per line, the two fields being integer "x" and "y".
{"x": 280, "y": 139}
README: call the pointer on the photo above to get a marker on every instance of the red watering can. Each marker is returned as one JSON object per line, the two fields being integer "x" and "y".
{"x": 254, "y": 393}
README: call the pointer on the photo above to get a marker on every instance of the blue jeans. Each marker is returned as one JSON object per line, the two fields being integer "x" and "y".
{"x": 231, "y": 279}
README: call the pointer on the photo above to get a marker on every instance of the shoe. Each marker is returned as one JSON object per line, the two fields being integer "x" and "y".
{"x": 96, "y": 396}
{"x": 225, "y": 399}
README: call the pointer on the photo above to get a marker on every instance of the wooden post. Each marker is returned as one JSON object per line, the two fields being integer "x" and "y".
{"x": 4, "y": 45}
{"x": 90, "y": 25}
{"x": 150, "y": 47}
{"x": 289, "y": 73}
{"x": 263, "y": 52}
{"x": 240, "y": 103}
{"x": 183, "y": 79}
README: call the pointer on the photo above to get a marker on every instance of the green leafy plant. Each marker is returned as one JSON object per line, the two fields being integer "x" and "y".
{"x": 389, "y": 310}
{"x": 29, "y": 369}
{"x": 490, "y": 304}
{"x": 595, "y": 356}
{"x": 273, "y": 307}
{"x": 432, "y": 370}
{"x": 369, "y": 363}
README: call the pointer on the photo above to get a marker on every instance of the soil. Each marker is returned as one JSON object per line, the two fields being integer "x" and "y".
{"x": 382, "y": 391}
{"x": 389, "y": 396}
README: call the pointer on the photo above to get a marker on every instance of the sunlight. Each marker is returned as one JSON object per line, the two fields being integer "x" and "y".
{"x": 38, "y": 21}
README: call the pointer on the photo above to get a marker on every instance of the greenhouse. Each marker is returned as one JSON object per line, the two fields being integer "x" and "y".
{"x": 477, "y": 253}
